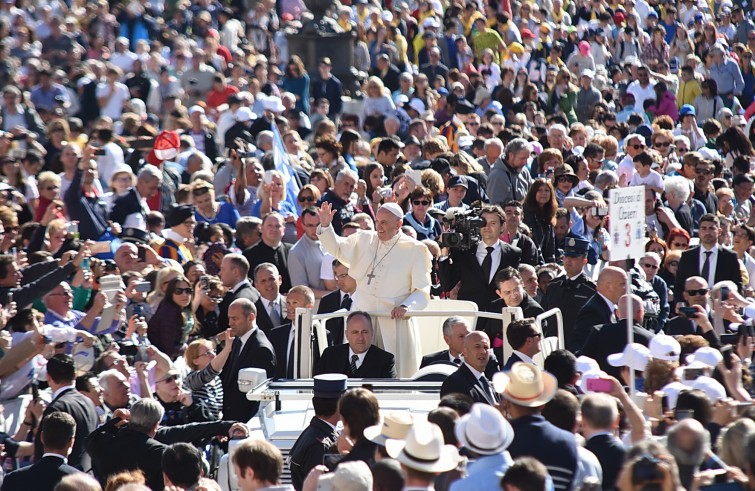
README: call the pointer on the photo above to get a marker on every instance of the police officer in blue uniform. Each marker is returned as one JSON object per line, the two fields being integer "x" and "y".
{"x": 570, "y": 291}
{"x": 320, "y": 436}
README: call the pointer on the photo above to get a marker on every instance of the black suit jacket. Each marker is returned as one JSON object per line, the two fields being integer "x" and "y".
{"x": 609, "y": 339}
{"x": 530, "y": 308}
{"x": 279, "y": 339}
{"x": 329, "y": 304}
{"x": 126, "y": 205}
{"x": 245, "y": 291}
{"x": 462, "y": 381}
{"x": 263, "y": 318}
{"x": 377, "y": 363}
{"x": 84, "y": 413}
{"x": 256, "y": 353}
{"x": 610, "y": 453}
{"x": 727, "y": 268}
{"x": 510, "y": 362}
{"x": 442, "y": 357}
{"x": 681, "y": 326}
{"x": 463, "y": 266}
{"x": 593, "y": 313}
{"x": 42, "y": 476}
{"x": 391, "y": 78}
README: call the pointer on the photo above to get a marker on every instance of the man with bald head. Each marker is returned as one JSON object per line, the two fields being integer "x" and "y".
{"x": 611, "y": 338}
{"x": 601, "y": 308}
{"x": 470, "y": 378}
{"x": 392, "y": 272}
{"x": 251, "y": 349}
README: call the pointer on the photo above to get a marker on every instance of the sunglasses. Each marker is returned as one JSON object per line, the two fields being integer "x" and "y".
{"x": 661, "y": 144}
{"x": 651, "y": 266}
{"x": 182, "y": 291}
{"x": 563, "y": 179}
{"x": 679, "y": 244}
{"x": 172, "y": 378}
{"x": 637, "y": 147}
{"x": 309, "y": 199}
{"x": 695, "y": 293}
{"x": 421, "y": 203}
{"x": 703, "y": 171}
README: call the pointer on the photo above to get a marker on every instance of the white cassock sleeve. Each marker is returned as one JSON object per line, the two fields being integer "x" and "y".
{"x": 420, "y": 294}
{"x": 339, "y": 247}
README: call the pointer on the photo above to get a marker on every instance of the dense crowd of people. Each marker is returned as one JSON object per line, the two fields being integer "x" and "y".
{"x": 175, "y": 182}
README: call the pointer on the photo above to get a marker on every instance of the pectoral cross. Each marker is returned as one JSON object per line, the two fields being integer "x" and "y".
{"x": 370, "y": 276}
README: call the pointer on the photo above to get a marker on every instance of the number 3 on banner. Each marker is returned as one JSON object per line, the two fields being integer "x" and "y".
{"x": 628, "y": 242}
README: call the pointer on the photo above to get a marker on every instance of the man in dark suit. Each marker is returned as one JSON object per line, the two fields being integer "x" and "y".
{"x": 130, "y": 210}
{"x": 510, "y": 290}
{"x": 271, "y": 248}
{"x": 708, "y": 260}
{"x": 233, "y": 273}
{"x": 476, "y": 268}
{"x": 57, "y": 433}
{"x": 251, "y": 349}
{"x": 271, "y": 305}
{"x": 600, "y": 309}
{"x": 612, "y": 338}
{"x": 61, "y": 376}
{"x": 338, "y": 300}
{"x": 282, "y": 337}
{"x": 695, "y": 294}
{"x": 455, "y": 329}
{"x": 470, "y": 378}
{"x": 358, "y": 358}
{"x": 600, "y": 418}
{"x": 524, "y": 337}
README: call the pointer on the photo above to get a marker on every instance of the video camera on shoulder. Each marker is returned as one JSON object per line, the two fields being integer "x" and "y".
{"x": 464, "y": 229}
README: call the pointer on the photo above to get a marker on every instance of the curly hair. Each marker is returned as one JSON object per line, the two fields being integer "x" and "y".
{"x": 329, "y": 144}
{"x": 659, "y": 373}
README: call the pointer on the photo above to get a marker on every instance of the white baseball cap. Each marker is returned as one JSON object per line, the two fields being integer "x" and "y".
{"x": 709, "y": 357}
{"x": 663, "y": 347}
{"x": 586, "y": 364}
{"x": 634, "y": 355}
{"x": 244, "y": 114}
{"x": 712, "y": 388}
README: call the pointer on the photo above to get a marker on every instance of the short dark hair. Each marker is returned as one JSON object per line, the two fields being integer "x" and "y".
{"x": 562, "y": 410}
{"x": 644, "y": 158}
{"x": 388, "y": 145}
{"x": 494, "y": 210}
{"x": 57, "y": 430}
{"x": 512, "y": 203}
{"x": 325, "y": 407}
{"x": 592, "y": 150}
{"x": 710, "y": 217}
{"x": 461, "y": 403}
{"x": 446, "y": 419}
{"x": 61, "y": 368}
{"x": 359, "y": 409}
{"x": 562, "y": 364}
{"x": 310, "y": 210}
{"x": 519, "y": 331}
{"x": 5, "y": 261}
{"x": 526, "y": 474}
{"x": 262, "y": 457}
{"x": 182, "y": 464}
{"x": 505, "y": 275}
{"x": 359, "y": 313}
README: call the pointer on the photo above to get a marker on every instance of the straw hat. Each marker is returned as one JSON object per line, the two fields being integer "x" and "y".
{"x": 424, "y": 450}
{"x": 396, "y": 426}
{"x": 525, "y": 385}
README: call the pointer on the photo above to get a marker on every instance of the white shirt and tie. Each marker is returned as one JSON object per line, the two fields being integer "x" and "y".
{"x": 495, "y": 257}
{"x": 611, "y": 306}
{"x": 360, "y": 358}
{"x": 712, "y": 261}
{"x": 483, "y": 383}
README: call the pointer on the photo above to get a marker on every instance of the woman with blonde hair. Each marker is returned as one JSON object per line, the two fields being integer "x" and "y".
{"x": 378, "y": 101}
{"x": 203, "y": 380}
{"x": 732, "y": 442}
{"x": 164, "y": 276}
{"x": 121, "y": 180}
{"x": 48, "y": 184}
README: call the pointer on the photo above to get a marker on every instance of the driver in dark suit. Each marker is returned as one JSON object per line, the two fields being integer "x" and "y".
{"x": 358, "y": 358}
{"x": 455, "y": 329}
{"x": 599, "y": 310}
{"x": 470, "y": 378}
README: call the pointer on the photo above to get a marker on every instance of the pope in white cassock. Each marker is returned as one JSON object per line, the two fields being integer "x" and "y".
{"x": 392, "y": 271}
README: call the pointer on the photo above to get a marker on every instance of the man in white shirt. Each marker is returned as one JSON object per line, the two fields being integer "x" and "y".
{"x": 123, "y": 57}
{"x": 112, "y": 94}
{"x": 524, "y": 337}
{"x": 644, "y": 175}
{"x": 634, "y": 144}
{"x": 642, "y": 88}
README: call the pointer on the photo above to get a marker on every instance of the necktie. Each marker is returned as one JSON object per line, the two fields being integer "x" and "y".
{"x": 486, "y": 387}
{"x": 290, "y": 366}
{"x": 353, "y": 365}
{"x": 235, "y": 351}
{"x": 706, "y": 266}
{"x": 487, "y": 264}
{"x": 457, "y": 361}
{"x": 346, "y": 302}
{"x": 275, "y": 318}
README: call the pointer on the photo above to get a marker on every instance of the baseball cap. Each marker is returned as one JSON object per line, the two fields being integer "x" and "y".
{"x": 458, "y": 181}
{"x": 664, "y": 347}
{"x": 635, "y": 356}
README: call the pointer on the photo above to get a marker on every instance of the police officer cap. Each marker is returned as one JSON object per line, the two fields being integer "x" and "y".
{"x": 575, "y": 246}
{"x": 330, "y": 385}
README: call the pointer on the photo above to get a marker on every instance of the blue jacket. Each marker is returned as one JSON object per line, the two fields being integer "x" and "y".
{"x": 484, "y": 474}
{"x": 554, "y": 447}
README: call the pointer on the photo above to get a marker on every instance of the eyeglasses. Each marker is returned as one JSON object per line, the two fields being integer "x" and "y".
{"x": 661, "y": 144}
{"x": 703, "y": 171}
{"x": 308, "y": 199}
{"x": 421, "y": 203}
{"x": 651, "y": 266}
{"x": 637, "y": 147}
{"x": 207, "y": 353}
{"x": 700, "y": 292}
{"x": 182, "y": 291}
{"x": 681, "y": 150}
